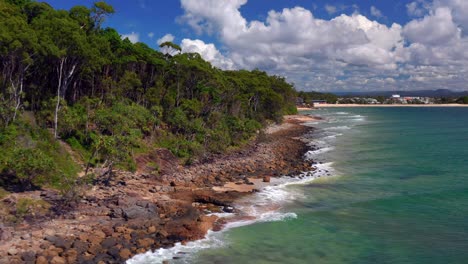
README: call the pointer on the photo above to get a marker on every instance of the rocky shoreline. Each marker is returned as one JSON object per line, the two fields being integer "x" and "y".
{"x": 144, "y": 211}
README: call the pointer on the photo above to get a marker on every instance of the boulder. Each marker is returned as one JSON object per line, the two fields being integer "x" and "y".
{"x": 125, "y": 253}
{"x": 12, "y": 251}
{"x": 109, "y": 242}
{"x": 80, "y": 246}
{"x": 131, "y": 208}
{"x": 58, "y": 260}
{"x": 41, "y": 260}
{"x": 145, "y": 242}
{"x": 59, "y": 242}
{"x": 28, "y": 256}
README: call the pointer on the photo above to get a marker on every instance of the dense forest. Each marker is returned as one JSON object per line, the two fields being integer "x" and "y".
{"x": 68, "y": 82}
{"x": 307, "y": 97}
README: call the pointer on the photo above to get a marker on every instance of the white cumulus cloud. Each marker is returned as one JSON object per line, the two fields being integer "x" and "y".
{"x": 418, "y": 8}
{"x": 208, "y": 52}
{"x": 133, "y": 37}
{"x": 331, "y": 9}
{"x": 376, "y": 12}
{"x": 166, "y": 38}
{"x": 346, "y": 52}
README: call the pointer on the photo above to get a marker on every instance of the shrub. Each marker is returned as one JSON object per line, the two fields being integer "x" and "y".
{"x": 30, "y": 166}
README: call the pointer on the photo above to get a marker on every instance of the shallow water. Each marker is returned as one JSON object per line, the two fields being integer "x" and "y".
{"x": 398, "y": 193}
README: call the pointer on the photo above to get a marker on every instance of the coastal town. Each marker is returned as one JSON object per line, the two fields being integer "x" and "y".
{"x": 314, "y": 99}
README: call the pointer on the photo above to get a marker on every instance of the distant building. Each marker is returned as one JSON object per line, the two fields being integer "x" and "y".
{"x": 319, "y": 102}
{"x": 396, "y": 96}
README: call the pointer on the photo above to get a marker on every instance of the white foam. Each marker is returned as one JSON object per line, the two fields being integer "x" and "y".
{"x": 324, "y": 169}
{"x": 338, "y": 128}
{"x": 259, "y": 208}
{"x": 264, "y": 206}
{"x": 312, "y": 153}
{"x": 262, "y": 218}
{"x": 342, "y": 113}
{"x": 357, "y": 118}
{"x": 184, "y": 252}
{"x": 334, "y": 136}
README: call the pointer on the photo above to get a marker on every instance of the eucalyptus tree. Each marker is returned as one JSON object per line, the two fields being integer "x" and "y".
{"x": 18, "y": 46}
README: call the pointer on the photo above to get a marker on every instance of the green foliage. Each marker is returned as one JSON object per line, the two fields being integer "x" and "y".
{"x": 309, "y": 96}
{"x": 20, "y": 3}
{"x": 31, "y": 158}
{"x": 30, "y": 166}
{"x": 109, "y": 98}
{"x": 28, "y": 206}
{"x": 463, "y": 100}
{"x": 3, "y": 193}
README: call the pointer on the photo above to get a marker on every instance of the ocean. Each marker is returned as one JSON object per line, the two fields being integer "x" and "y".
{"x": 391, "y": 186}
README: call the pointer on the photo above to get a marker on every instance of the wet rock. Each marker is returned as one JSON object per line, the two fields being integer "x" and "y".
{"x": 228, "y": 209}
{"x": 266, "y": 178}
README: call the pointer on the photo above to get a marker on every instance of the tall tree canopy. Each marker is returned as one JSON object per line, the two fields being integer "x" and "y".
{"x": 107, "y": 97}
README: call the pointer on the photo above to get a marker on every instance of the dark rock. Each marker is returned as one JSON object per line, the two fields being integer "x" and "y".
{"x": 228, "y": 209}
{"x": 109, "y": 242}
{"x": 28, "y": 256}
{"x": 80, "y": 246}
{"x": 123, "y": 183}
{"x": 59, "y": 242}
{"x": 114, "y": 252}
{"x": 94, "y": 249}
{"x": 106, "y": 258}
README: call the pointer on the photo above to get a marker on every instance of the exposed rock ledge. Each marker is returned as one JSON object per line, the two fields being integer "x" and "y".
{"x": 140, "y": 212}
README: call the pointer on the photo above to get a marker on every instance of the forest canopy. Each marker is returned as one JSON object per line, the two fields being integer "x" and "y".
{"x": 65, "y": 78}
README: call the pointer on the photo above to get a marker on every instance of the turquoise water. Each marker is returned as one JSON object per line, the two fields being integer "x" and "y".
{"x": 398, "y": 193}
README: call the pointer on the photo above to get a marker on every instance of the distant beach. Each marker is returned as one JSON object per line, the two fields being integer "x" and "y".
{"x": 381, "y": 105}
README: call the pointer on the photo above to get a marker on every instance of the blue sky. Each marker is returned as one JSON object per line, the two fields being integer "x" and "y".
{"x": 318, "y": 45}
{"x": 146, "y": 16}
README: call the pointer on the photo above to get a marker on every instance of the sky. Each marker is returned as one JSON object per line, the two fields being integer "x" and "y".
{"x": 319, "y": 45}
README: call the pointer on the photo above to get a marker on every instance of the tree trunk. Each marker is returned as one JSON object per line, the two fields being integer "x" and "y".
{"x": 62, "y": 88}
{"x": 59, "y": 87}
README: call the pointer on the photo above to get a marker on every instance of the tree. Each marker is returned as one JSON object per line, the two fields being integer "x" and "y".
{"x": 463, "y": 100}
{"x": 17, "y": 51}
{"x": 64, "y": 44}
{"x": 99, "y": 12}
{"x": 170, "y": 48}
